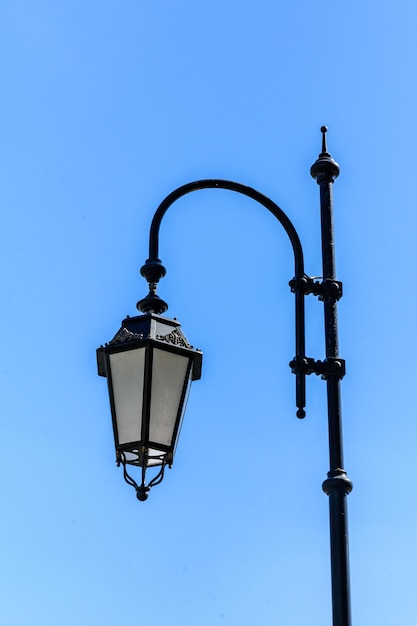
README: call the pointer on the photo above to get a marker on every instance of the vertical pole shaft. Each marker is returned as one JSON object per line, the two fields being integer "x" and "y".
{"x": 337, "y": 485}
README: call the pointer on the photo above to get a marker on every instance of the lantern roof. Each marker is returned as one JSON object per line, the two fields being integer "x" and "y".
{"x": 149, "y": 327}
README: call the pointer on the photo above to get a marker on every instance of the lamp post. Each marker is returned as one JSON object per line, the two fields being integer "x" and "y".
{"x": 149, "y": 366}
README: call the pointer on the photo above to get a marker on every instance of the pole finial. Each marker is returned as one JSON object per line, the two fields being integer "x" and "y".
{"x": 325, "y": 168}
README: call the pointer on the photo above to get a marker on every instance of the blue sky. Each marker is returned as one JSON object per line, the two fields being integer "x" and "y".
{"x": 106, "y": 107}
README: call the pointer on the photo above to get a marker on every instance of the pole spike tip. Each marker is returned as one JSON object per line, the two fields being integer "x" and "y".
{"x": 323, "y": 130}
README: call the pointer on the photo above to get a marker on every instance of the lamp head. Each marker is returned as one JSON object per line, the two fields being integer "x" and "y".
{"x": 149, "y": 366}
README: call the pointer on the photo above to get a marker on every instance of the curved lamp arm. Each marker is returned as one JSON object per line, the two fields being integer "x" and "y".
{"x": 153, "y": 270}
{"x": 231, "y": 186}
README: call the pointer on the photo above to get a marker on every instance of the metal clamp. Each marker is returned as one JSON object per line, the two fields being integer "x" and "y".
{"x": 329, "y": 367}
{"x": 325, "y": 290}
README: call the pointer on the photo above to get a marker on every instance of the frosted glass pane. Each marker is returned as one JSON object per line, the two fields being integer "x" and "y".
{"x": 127, "y": 372}
{"x": 184, "y": 406}
{"x": 168, "y": 380}
{"x": 134, "y": 457}
{"x": 156, "y": 461}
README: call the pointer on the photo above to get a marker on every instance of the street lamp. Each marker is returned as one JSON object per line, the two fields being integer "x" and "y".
{"x": 149, "y": 366}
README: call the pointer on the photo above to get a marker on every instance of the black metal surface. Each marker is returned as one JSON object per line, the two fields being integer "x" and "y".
{"x": 337, "y": 485}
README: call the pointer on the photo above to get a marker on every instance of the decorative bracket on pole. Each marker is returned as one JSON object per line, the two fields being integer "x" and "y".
{"x": 325, "y": 290}
{"x": 330, "y": 367}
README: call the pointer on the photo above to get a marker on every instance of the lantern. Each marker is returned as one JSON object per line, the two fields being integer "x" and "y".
{"x": 149, "y": 366}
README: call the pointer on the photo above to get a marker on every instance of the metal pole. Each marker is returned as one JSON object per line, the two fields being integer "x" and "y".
{"x": 337, "y": 485}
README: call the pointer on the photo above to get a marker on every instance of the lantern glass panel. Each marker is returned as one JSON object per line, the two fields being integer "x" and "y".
{"x": 168, "y": 382}
{"x": 127, "y": 374}
{"x": 154, "y": 458}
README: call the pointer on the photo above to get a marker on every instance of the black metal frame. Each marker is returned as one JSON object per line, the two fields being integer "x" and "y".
{"x": 142, "y": 490}
{"x": 329, "y": 290}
